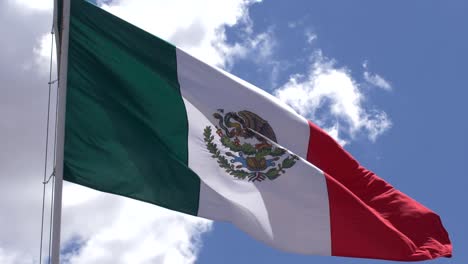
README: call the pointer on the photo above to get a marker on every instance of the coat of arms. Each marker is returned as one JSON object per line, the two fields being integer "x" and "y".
{"x": 252, "y": 152}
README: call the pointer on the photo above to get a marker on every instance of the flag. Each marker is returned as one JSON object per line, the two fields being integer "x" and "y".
{"x": 148, "y": 121}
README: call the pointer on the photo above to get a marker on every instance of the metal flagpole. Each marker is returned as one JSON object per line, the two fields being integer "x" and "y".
{"x": 62, "y": 95}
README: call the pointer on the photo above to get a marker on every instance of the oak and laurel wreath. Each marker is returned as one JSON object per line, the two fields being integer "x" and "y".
{"x": 247, "y": 149}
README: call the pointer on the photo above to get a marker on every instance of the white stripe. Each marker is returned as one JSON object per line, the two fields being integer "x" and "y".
{"x": 290, "y": 212}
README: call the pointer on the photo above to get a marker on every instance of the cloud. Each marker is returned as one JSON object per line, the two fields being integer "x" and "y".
{"x": 35, "y": 5}
{"x": 23, "y": 106}
{"x": 42, "y": 52}
{"x": 310, "y": 36}
{"x": 330, "y": 97}
{"x": 375, "y": 79}
{"x": 10, "y": 257}
{"x": 259, "y": 48}
{"x": 132, "y": 232}
{"x": 198, "y": 27}
{"x": 256, "y": 47}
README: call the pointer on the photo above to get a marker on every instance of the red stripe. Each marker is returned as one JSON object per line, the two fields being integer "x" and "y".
{"x": 368, "y": 217}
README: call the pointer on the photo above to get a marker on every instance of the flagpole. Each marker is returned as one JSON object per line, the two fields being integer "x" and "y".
{"x": 62, "y": 95}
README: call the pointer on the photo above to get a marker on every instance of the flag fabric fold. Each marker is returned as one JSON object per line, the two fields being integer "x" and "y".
{"x": 148, "y": 121}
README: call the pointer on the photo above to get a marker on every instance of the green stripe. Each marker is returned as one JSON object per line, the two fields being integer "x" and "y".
{"x": 126, "y": 125}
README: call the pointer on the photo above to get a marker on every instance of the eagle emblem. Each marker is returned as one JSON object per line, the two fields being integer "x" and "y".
{"x": 250, "y": 151}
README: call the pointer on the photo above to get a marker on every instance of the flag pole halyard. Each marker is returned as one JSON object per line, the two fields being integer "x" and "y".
{"x": 61, "y": 94}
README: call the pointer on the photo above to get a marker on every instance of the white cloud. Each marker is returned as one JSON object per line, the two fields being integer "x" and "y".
{"x": 333, "y": 131}
{"x": 35, "y": 5}
{"x": 42, "y": 52}
{"x": 375, "y": 79}
{"x": 10, "y": 257}
{"x": 195, "y": 26}
{"x": 310, "y": 36}
{"x": 22, "y": 111}
{"x": 331, "y": 90}
{"x": 259, "y": 48}
{"x": 132, "y": 232}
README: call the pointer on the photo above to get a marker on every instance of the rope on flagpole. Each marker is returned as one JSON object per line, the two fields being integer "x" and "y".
{"x": 46, "y": 155}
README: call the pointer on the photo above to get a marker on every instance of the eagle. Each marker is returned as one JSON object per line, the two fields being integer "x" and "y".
{"x": 245, "y": 124}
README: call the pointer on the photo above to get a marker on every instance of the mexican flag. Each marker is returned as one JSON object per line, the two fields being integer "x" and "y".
{"x": 148, "y": 121}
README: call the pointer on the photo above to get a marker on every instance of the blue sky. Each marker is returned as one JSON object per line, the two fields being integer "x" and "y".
{"x": 387, "y": 79}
